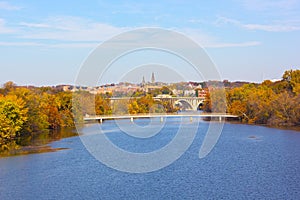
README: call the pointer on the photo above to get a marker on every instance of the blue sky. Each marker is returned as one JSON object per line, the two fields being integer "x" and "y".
{"x": 45, "y": 42}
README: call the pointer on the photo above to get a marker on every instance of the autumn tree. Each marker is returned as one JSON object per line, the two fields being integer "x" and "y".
{"x": 286, "y": 110}
{"x": 293, "y": 78}
{"x": 141, "y": 104}
{"x": 102, "y": 105}
{"x": 215, "y": 101}
{"x": 13, "y": 115}
{"x": 271, "y": 103}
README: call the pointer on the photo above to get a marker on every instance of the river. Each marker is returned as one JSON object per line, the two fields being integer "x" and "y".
{"x": 248, "y": 162}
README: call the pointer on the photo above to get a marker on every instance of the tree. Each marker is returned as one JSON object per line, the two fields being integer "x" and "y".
{"x": 215, "y": 101}
{"x": 251, "y": 102}
{"x": 293, "y": 78}
{"x": 207, "y": 103}
{"x": 50, "y": 107}
{"x": 286, "y": 110}
{"x": 166, "y": 90}
{"x": 142, "y": 104}
{"x": 12, "y": 118}
{"x": 102, "y": 105}
{"x": 36, "y": 119}
{"x": 280, "y": 86}
{"x": 8, "y": 86}
{"x": 65, "y": 109}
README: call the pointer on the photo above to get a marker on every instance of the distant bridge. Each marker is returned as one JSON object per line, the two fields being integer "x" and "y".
{"x": 100, "y": 118}
{"x": 188, "y": 103}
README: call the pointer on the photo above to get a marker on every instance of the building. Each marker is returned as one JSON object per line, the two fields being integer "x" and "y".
{"x": 152, "y": 78}
{"x": 200, "y": 92}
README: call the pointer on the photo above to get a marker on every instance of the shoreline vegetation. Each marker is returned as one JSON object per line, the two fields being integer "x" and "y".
{"x": 27, "y": 113}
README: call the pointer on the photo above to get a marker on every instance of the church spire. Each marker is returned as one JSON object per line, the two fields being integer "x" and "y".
{"x": 152, "y": 78}
{"x": 143, "y": 81}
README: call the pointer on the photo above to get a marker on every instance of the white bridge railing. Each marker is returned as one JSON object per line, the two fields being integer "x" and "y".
{"x": 160, "y": 115}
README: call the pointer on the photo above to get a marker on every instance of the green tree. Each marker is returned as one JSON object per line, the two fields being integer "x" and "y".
{"x": 166, "y": 90}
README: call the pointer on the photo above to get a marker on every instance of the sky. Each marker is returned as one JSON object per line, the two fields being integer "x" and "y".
{"x": 46, "y": 42}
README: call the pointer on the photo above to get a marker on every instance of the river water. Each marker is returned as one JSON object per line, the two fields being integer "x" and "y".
{"x": 248, "y": 162}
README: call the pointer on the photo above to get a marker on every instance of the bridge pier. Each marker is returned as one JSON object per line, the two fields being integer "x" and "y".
{"x": 131, "y": 119}
{"x": 191, "y": 119}
{"x": 161, "y": 119}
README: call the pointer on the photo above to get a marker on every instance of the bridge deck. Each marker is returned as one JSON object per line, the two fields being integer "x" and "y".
{"x": 103, "y": 117}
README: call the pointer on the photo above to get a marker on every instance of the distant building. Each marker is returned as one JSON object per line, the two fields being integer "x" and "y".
{"x": 200, "y": 92}
{"x": 150, "y": 88}
{"x": 143, "y": 82}
{"x": 188, "y": 93}
{"x": 152, "y": 78}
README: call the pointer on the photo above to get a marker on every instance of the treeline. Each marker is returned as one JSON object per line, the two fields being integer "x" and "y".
{"x": 25, "y": 111}
{"x": 271, "y": 103}
{"x": 29, "y": 111}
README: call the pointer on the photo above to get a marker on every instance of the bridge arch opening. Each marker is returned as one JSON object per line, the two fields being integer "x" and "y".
{"x": 183, "y": 105}
{"x": 200, "y": 106}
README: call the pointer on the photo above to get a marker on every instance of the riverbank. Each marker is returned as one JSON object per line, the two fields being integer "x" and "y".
{"x": 25, "y": 150}
{"x": 292, "y": 128}
{"x": 38, "y": 143}
{"x": 238, "y": 121}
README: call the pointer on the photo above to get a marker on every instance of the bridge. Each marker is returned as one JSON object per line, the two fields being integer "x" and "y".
{"x": 187, "y": 103}
{"x": 219, "y": 116}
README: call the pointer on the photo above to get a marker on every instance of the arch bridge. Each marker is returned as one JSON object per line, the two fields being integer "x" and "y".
{"x": 185, "y": 103}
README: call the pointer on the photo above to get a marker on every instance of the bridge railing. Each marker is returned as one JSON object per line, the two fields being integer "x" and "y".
{"x": 150, "y": 115}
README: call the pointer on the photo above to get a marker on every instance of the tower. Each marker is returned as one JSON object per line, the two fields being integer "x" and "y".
{"x": 143, "y": 81}
{"x": 152, "y": 78}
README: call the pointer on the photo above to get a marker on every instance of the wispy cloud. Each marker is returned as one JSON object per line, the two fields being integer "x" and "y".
{"x": 197, "y": 21}
{"x": 209, "y": 41}
{"x": 75, "y": 32}
{"x": 34, "y": 25}
{"x": 60, "y": 32}
{"x": 69, "y": 29}
{"x": 4, "y": 29}
{"x": 7, "y": 6}
{"x": 275, "y": 27}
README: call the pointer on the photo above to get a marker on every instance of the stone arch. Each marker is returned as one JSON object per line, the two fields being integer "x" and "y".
{"x": 183, "y": 104}
{"x": 200, "y": 105}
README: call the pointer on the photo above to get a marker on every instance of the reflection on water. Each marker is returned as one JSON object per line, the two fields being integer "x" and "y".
{"x": 35, "y": 143}
{"x": 248, "y": 162}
